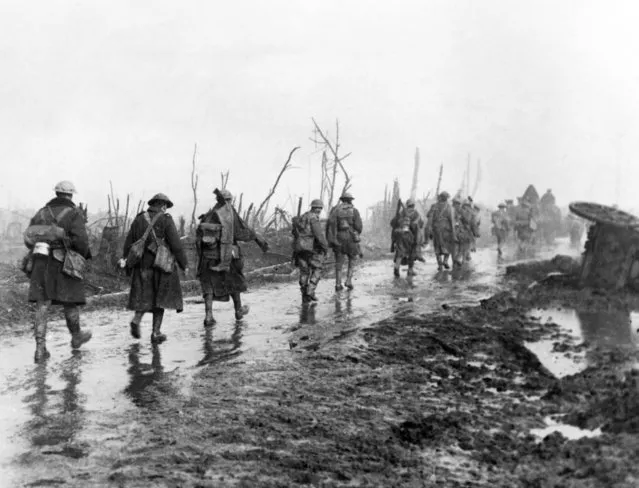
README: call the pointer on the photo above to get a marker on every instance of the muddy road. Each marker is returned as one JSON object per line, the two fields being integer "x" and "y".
{"x": 205, "y": 408}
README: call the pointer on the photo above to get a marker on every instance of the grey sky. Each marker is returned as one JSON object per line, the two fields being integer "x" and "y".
{"x": 542, "y": 92}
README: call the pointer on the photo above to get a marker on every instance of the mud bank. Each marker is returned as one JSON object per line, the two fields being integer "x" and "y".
{"x": 441, "y": 399}
{"x": 422, "y": 398}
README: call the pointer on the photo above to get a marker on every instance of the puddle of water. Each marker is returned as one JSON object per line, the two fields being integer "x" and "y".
{"x": 90, "y": 397}
{"x": 597, "y": 329}
{"x": 570, "y": 432}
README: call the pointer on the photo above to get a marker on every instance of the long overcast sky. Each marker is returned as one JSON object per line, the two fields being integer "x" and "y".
{"x": 542, "y": 92}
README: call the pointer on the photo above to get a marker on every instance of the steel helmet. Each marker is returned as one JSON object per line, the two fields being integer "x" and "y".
{"x": 65, "y": 186}
{"x": 444, "y": 195}
{"x": 346, "y": 196}
{"x": 317, "y": 203}
{"x": 224, "y": 193}
{"x": 501, "y": 205}
{"x": 410, "y": 202}
{"x": 161, "y": 197}
{"x": 456, "y": 200}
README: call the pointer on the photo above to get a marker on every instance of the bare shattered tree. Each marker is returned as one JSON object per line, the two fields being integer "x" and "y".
{"x": 258, "y": 216}
{"x": 331, "y": 168}
{"x": 194, "y": 181}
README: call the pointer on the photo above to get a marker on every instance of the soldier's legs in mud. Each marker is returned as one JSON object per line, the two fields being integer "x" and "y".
{"x": 156, "y": 336}
{"x": 208, "y": 310}
{"x": 411, "y": 270}
{"x": 499, "y": 243}
{"x": 72, "y": 316}
{"x": 135, "y": 324}
{"x": 313, "y": 280}
{"x": 305, "y": 273}
{"x": 458, "y": 255}
{"x": 350, "y": 271}
{"x": 339, "y": 262}
{"x": 40, "y": 332}
{"x": 240, "y": 310}
{"x": 396, "y": 264}
{"x": 440, "y": 261}
{"x": 445, "y": 261}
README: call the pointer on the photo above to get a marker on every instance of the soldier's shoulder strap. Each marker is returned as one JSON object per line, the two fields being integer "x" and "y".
{"x": 61, "y": 214}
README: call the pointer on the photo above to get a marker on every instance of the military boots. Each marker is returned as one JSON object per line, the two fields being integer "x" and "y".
{"x": 40, "y": 332}
{"x": 156, "y": 336}
{"x": 78, "y": 336}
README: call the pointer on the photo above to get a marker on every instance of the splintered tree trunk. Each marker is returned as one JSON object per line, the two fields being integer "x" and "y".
{"x": 439, "y": 180}
{"x": 413, "y": 188}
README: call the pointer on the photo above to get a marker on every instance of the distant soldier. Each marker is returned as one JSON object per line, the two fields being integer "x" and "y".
{"x": 472, "y": 212}
{"x": 220, "y": 258}
{"x": 309, "y": 248}
{"x": 524, "y": 223}
{"x": 440, "y": 227}
{"x": 343, "y": 231}
{"x": 547, "y": 199}
{"x": 501, "y": 226}
{"x": 465, "y": 231}
{"x": 154, "y": 290}
{"x": 408, "y": 232}
{"x": 56, "y": 230}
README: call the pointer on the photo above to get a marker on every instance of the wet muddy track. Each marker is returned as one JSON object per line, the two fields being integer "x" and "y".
{"x": 279, "y": 394}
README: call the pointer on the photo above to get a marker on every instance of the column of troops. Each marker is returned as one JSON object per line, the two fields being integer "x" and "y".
{"x": 452, "y": 228}
{"x": 153, "y": 254}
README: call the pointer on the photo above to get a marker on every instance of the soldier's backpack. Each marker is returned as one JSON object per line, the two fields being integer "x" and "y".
{"x": 137, "y": 248}
{"x": 304, "y": 239}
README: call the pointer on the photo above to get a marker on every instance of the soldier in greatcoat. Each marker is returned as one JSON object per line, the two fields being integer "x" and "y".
{"x": 56, "y": 229}
{"x": 309, "y": 249}
{"x": 408, "y": 233}
{"x": 221, "y": 262}
{"x": 501, "y": 226}
{"x": 440, "y": 228}
{"x": 154, "y": 290}
{"x": 343, "y": 231}
{"x": 466, "y": 230}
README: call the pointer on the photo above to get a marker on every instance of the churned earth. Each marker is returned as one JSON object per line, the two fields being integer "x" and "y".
{"x": 495, "y": 376}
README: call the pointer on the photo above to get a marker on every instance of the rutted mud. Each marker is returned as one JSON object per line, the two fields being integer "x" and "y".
{"x": 399, "y": 382}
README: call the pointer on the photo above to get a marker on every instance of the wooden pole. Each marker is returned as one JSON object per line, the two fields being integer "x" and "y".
{"x": 413, "y": 188}
{"x": 439, "y": 179}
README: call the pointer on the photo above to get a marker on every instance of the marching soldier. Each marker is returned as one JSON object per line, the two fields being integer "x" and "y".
{"x": 501, "y": 226}
{"x": 58, "y": 243}
{"x": 343, "y": 235}
{"x": 310, "y": 248}
{"x": 407, "y": 237}
{"x": 440, "y": 227}
{"x": 221, "y": 262}
{"x": 152, "y": 289}
{"x": 524, "y": 224}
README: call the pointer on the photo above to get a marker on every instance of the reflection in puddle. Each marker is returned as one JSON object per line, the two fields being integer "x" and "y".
{"x": 596, "y": 329}
{"x": 570, "y": 432}
{"x": 83, "y": 402}
{"x": 148, "y": 382}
